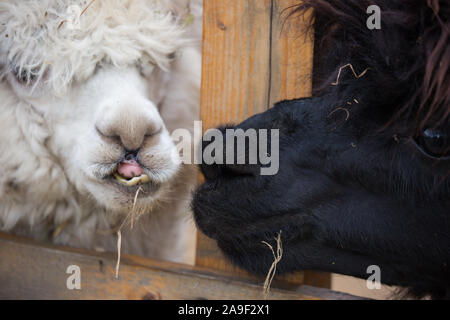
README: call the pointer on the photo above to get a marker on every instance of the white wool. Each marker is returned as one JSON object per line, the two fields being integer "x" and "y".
{"x": 46, "y": 35}
{"x": 49, "y": 148}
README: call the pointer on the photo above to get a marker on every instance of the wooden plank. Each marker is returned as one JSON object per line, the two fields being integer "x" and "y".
{"x": 291, "y": 63}
{"x": 236, "y": 60}
{"x": 235, "y": 79}
{"x": 291, "y": 54}
{"x": 32, "y": 271}
{"x": 252, "y": 58}
{"x": 317, "y": 279}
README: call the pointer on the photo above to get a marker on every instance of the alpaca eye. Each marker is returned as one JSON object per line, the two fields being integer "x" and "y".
{"x": 435, "y": 143}
{"x": 24, "y": 76}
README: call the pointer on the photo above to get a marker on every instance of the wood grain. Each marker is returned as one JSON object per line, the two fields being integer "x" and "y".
{"x": 29, "y": 270}
{"x": 235, "y": 79}
{"x": 236, "y": 60}
{"x": 291, "y": 54}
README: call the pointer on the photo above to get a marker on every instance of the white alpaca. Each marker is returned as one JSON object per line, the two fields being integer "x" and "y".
{"x": 89, "y": 93}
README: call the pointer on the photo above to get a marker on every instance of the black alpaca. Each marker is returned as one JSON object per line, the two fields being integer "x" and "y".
{"x": 364, "y": 164}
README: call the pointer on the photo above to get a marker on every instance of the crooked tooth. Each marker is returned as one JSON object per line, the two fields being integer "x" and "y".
{"x": 135, "y": 181}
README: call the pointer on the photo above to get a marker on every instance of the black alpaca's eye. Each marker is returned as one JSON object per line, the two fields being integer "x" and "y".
{"x": 435, "y": 143}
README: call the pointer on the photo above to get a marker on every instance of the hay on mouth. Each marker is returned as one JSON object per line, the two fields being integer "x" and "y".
{"x": 119, "y": 247}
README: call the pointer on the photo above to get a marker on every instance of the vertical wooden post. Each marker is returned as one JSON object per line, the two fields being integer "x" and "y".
{"x": 252, "y": 57}
{"x": 236, "y": 60}
{"x": 291, "y": 54}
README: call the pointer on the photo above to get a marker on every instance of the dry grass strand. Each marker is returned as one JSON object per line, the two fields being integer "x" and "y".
{"x": 273, "y": 268}
{"x": 82, "y": 12}
{"x": 131, "y": 215}
{"x": 119, "y": 249}
{"x": 349, "y": 65}
{"x": 340, "y": 109}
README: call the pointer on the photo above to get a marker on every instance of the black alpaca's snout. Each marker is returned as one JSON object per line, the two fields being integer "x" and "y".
{"x": 215, "y": 171}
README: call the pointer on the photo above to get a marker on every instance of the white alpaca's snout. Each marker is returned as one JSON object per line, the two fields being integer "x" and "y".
{"x": 130, "y": 121}
{"x": 125, "y": 143}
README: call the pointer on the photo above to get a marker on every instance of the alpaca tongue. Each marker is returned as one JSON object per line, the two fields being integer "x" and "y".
{"x": 130, "y": 169}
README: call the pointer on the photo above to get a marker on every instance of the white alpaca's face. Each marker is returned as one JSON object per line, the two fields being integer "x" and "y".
{"x": 98, "y": 86}
{"x": 106, "y": 125}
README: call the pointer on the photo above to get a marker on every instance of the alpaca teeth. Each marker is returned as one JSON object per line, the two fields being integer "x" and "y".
{"x": 143, "y": 179}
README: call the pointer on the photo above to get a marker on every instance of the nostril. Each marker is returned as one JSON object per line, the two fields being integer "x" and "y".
{"x": 131, "y": 155}
{"x": 108, "y": 135}
{"x": 131, "y": 132}
{"x": 153, "y": 131}
{"x": 241, "y": 169}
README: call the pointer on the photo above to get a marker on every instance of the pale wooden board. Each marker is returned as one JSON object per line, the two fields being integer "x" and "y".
{"x": 236, "y": 60}
{"x": 291, "y": 54}
{"x": 29, "y": 270}
{"x": 253, "y": 56}
{"x": 235, "y": 79}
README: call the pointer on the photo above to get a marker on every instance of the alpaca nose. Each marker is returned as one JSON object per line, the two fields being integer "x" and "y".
{"x": 130, "y": 127}
{"x": 214, "y": 170}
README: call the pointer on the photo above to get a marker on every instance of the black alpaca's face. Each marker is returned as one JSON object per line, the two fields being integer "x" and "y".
{"x": 347, "y": 195}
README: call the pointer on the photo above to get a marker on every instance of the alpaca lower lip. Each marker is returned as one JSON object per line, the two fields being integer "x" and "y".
{"x": 142, "y": 179}
{"x": 131, "y": 187}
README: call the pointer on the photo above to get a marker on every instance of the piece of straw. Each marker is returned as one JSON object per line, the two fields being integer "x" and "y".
{"x": 119, "y": 246}
{"x": 119, "y": 231}
{"x": 273, "y": 268}
{"x": 82, "y": 12}
{"x": 340, "y": 109}
{"x": 60, "y": 229}
{"x": 87, "y": 7}
{"x": 349, "y": 65}
{"x": 190, "y": 18}
{"x": 133, "y": 209}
